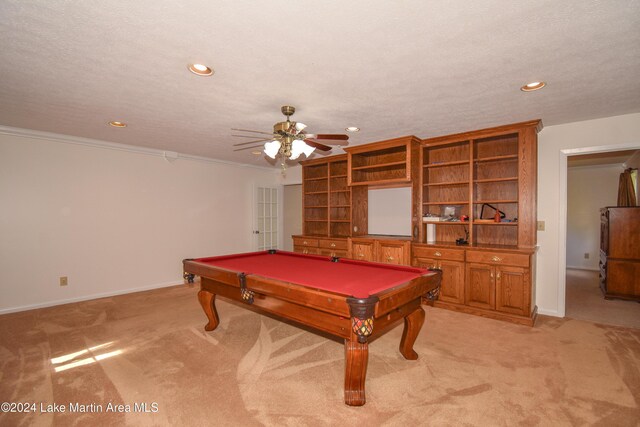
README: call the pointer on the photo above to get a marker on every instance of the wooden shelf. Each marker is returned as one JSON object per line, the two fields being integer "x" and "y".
{"x": 479, "y": 181}
{"x": 340, "y": 220}
{"x": 438, "y": 184}
{"x": 496, "y": 158}
{"x": 466, "y": 202}
{"x": 438, "y": 165}
{"x": 339, "y": 191}
{"x": 379, "y": 166}
{"x": 322, "y": 178}
{"x": 492, "y": 222}
{"x": 316, "y": 192}
{"x": 316, "y": 220}
{"x": 338, "y": 176}
{"x": 482, "y": 202}
{"x": 316, "y": 206}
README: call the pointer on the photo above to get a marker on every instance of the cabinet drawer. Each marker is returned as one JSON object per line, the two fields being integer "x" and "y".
{"x": 438, "y": 253}
{"x": 498, "y": 258}
{"x": 303, "y": 241}
{"x": 333, "y": 244}
{"x": 333, "y": 253}
{"x": 306, "y": 250}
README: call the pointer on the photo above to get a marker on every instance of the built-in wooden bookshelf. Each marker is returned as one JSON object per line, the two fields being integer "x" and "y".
{"x": 381, "y": 163}
{"x": 330, "y": 207}
{"x": 479, "y": 174}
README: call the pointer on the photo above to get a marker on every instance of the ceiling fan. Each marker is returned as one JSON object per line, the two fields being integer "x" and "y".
{"x": 288, "y": 139}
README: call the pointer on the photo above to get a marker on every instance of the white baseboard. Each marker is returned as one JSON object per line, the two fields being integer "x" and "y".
{"x": 88, "y": 297}
{"x": 553, "y": 313}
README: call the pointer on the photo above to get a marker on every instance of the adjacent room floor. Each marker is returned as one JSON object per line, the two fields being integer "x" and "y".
{"x": 584, "y": 300}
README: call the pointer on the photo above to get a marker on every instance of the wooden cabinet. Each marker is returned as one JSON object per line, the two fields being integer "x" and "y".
{"x": 488, "y": 179}
{"x": 329, "y": 206}
{"x": 381, "y": 249}
{"x": 363, "y": 250}
{"x": 499, "y": 284}
{"x": 620, "y": 252}
{"x": 450, "y": 262}
{"x": 329, "y": 247}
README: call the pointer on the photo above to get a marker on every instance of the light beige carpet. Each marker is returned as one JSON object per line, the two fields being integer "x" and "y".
{"x": 151, "y": 348}
{"x": 585, "y": 301}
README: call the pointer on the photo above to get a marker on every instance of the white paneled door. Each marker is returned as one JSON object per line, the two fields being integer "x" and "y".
{"x": 266, "y": 218}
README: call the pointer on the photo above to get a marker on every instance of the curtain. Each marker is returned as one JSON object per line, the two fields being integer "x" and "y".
{"x": 626, "y": 191}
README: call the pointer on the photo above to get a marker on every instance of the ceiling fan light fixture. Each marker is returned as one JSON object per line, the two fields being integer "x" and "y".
{"x": 299, "y": 147}
{"x": 272, "y": 148}
{"x": 352, "y": 129}
{"x": 530, "y": 87}
{"x": 200, "y": 70}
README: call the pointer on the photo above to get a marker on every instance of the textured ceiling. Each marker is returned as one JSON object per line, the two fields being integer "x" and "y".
{"x": 425, "y": 68}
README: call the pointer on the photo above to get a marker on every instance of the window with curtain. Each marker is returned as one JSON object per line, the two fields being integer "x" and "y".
{"x": 627, "y": 188}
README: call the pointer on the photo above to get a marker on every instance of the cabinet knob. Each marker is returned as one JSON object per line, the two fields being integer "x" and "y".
{"x": 305, "y": 251}
{"x": 496, "y": 259}
{"x": 333, "y": 245}
{"x": 305, "y": 243}
{"x": 360, "y": 255}
{"x": 389, "y": 258}
{"x": 437, "y": 253}
{"x": 498, "y": 276}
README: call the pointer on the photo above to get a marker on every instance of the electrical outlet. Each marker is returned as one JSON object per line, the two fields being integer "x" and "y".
{"x": 540, "y": 225}
{"x": 64, "y": 281}
{"x": 586, "y": 255}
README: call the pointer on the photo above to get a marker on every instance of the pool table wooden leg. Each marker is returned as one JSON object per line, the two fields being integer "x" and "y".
{"x": 412, "y": 325}
{"x": 208, "y": 303}
{"x": 356, "y": 359}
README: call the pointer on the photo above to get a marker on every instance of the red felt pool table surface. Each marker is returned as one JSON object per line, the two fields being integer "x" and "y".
{"x": 349, "y": 277}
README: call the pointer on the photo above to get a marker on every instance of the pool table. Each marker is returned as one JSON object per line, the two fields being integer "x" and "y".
{"x": 353, "y": 300}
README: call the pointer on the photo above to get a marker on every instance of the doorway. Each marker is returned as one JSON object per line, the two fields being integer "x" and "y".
{"x": 592, "y": 183}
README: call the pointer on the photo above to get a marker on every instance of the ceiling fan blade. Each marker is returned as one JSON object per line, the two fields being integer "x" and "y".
{"x": 251, "y": 142}
{"x": 317, "y": 145}
{"x": 254, "y": 131}
{"x": 250, "y": 147}
{"x": 331, "y": 136}
{"x": 245, "y": 136}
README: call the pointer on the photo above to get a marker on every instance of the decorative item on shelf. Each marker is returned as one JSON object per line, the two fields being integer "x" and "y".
{"x": 463, "y": 240}
{"x": 464, "y": 218}
{"x": 499, "y": 214}
{"x": 431, "y": 233}
{"x": 429, "y": 217}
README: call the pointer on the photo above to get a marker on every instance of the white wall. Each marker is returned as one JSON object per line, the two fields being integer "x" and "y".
{"x": 292, "y": 215}
{"x": 555, "y": 143}
{"x": 111, "y": 220}
{"x": 390, "y": 211}
{"x": 589, "y": 188}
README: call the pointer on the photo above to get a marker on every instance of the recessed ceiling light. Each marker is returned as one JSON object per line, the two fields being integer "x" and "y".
{"x": 529, "y": 87}
{"x": 117, "y": 124}
{"x": 256, "y": 153}
{"x": 200, "y": 69}
{"x": 352, "y": 129}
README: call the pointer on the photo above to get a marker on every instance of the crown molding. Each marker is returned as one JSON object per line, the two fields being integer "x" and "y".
{"x": 169, "y": 156}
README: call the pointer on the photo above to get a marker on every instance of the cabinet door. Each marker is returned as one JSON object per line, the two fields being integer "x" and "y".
{"x": 452, "y": 286}
{"x": 392, "y": 253}
{"x": 513, "y": 290}
{"x": 480, "y": 290}
{"x": 362, "y": 251}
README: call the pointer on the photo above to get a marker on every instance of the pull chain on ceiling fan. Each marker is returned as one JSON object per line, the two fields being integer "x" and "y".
{"x": 288, "y": 139}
